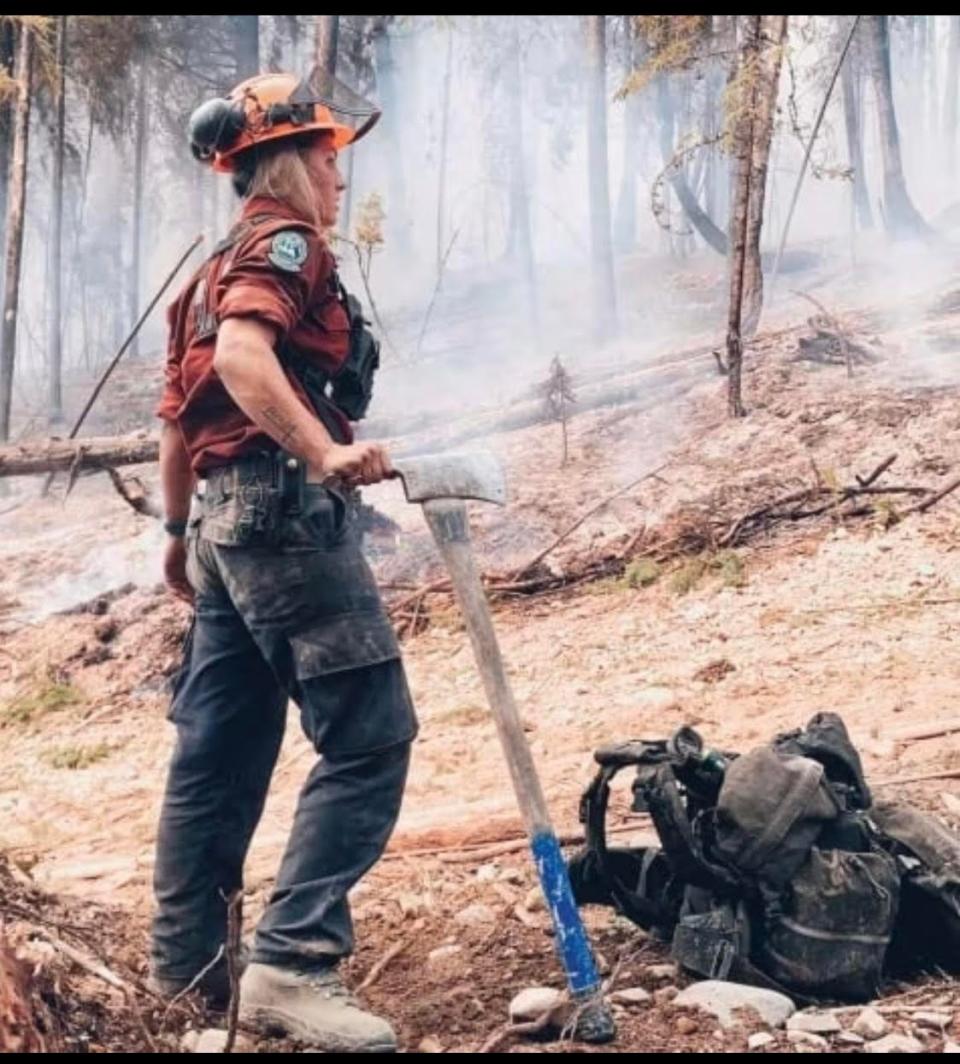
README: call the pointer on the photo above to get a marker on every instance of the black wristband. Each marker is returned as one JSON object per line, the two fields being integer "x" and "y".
{"x": 175, "y": 528}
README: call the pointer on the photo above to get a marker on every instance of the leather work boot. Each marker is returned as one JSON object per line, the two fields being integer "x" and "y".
{"x": 312, "y": 1007}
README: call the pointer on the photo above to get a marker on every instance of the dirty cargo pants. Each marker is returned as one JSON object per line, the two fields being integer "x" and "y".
{"x": 299, "y": 618}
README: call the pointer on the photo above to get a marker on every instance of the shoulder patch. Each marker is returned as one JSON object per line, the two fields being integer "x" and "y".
{"x": 288, "y": 251}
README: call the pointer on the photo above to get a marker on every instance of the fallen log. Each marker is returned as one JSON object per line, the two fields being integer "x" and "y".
{"x": 77, "y": 456}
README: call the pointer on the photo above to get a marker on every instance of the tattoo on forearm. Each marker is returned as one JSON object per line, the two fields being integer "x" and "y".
{"x": 285, "y": 431}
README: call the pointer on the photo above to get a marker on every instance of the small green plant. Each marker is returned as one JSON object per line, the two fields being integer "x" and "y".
{"x": 48, "y": 696}
{"x": 732, "y": 570}
{"x": 642, "y": 573}
{"x": 686, "y": 578}
{"x": 885, "y": 513}
{"x": 77, "y": 757}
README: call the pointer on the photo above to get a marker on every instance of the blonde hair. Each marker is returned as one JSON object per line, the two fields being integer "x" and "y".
{"x": 278, "y": 170}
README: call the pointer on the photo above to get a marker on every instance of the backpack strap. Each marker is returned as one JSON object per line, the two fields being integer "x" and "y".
{"x": 631, "y": 901}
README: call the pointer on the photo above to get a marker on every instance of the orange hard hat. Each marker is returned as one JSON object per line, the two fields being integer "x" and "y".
{"x": 273, "y": 106}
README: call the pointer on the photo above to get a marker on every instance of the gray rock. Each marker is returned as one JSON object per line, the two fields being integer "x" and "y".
{"x": 934, "y": 1020}
{"x": 871, "y": 1025}
{"x": 665, "y": 995}
{"x": 634, "y": 995}
{"x": 188, "y": 1043}
{"x": 662, "y": 973}
{"x": 760, "y": 1040}
{"x": 894, "y": 1043}
{"x": 723, "y": 999}
{"x": 445, "y": 960}
{"x": 529, "y": 1005}
{"x": 951, "y": 1047}
{"x": 214, "y": 1040}
{"x": 814, "y": 1023}
{"x": 534, "y": 902}
{"x": 807, "y": 1038}
{"x": 487, "y": 873}
{"x": 477, "y": 915}
{"x": 850, "y": 1039}
{"x": 686, "y": 1025}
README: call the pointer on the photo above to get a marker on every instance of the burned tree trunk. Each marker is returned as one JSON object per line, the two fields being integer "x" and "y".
{"x": 520, "y": 239}
{"x": 7, "y": 42}
{"x": 739, "y": 210}
{"x": 604, "y": 284}
{"x": 95, "y": 452}
{"x": 55, "y": 412}
{"x": 625, "y": 229}
{"x": 16, "y": 205}
{"x": 950, "y": 92}
{"x": 773, "y": 30}
{"x": 139, "y": 173}
{"x": 397, "y": 213}
{"x": 851, "y": 80}
{"x": 444, "y": 144}
{"x": 757, "y": 80}
{"x": 713, "y": 236}
{"x": 901, "y": 217}
{"x": 328, "y": 36}
{"x": 246, "y": 44}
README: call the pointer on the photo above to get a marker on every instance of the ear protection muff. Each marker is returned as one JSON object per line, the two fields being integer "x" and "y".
{"x": 214, "y": 126}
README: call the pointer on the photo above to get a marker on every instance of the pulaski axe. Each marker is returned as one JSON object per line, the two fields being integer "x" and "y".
{"x": 441, "y": 484}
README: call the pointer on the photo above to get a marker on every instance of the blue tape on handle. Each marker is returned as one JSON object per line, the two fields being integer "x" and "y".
{"x": 572, "y": 943}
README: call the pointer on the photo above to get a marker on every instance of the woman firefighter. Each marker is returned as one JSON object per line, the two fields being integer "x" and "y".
{"x": 268, "y": 362}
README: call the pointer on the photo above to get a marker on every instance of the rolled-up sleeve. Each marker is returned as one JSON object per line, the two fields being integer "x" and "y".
{"x": 272, "y": 277}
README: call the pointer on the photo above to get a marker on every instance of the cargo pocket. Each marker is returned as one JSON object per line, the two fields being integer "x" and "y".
{"x": 351, "y": 686}
{"x": 347, "y": 641}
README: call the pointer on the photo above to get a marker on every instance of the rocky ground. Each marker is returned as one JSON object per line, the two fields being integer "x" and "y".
{"x": 851, "y": 612}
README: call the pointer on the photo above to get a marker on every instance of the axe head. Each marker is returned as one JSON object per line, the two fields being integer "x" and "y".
{"x": 457, "y": 475}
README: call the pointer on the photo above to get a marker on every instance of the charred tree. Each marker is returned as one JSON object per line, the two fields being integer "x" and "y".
{"x": 773, "y": 29}
{"x": 386, "y": 75}
{"x": 7, "y": 53}
{"x": 55, "y": 411}
{"x": 950, "y": 91}
{"x": 328, "y": 37}
{"x": 625, "y": 228}
{"x": 444, "y": 144}
{"x": 757, "y": 81}
{"x": 604, "y": 283}
{"x": 520, "y": 233}
{"x": 139, "y": 174}
{"x": 901, "y": 217}
{"x": 246, "y": 44}
{"x": 713, "y": 236}
{"x": 16, "y": 206}
{"x": 851, "y": 82}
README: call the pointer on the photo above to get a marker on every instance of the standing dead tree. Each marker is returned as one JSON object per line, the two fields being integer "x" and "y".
{"x": 901, "y": 217}
{"x": 16, "y": 204}
{"x": 752, "y": 99}
{"x": 604, "y": 284}
{"x": 55, "y": 330}
{"x": 328, "y": 38}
